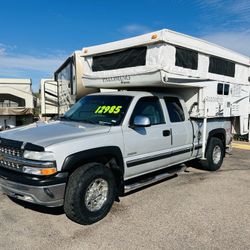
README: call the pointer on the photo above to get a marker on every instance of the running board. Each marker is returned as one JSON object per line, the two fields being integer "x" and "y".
{"x": 144, "y": 183}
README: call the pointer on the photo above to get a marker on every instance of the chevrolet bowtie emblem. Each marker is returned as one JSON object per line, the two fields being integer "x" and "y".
{"x": 1, "y": 157}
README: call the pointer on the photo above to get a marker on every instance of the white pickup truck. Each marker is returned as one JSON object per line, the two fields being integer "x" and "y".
{"x": 106, "y": 145}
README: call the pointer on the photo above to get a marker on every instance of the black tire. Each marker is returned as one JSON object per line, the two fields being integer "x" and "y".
{"x": 75, "y": 203}
{"x": 212, "y": 164}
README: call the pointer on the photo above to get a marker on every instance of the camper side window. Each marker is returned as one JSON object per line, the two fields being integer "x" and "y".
{"x": 132, "y": 57}
{"x": 186, "y": 58}
{"x": 226, "y": 89}
{"x": 220, "y": 89}
{"x": 223, "y": 89}
{"x": 221, "y": 66}
{"x": 175, "y": 110}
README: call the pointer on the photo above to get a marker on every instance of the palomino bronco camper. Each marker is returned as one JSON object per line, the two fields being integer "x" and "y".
{"x": 213, "y": 81}
{"x": 179, "y": 101}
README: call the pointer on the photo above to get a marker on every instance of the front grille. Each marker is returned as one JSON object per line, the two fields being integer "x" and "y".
{"x": 10, "y": 165}
{"x": 11, "y": 151}
{"x": 11, "y": 154}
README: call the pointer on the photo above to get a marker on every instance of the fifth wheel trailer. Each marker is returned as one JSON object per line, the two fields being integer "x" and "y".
{"x": 16, "y": 102}
{"x": 61, "y": 92}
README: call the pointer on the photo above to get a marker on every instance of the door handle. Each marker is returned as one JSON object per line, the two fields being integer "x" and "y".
{"x": 166, "y": 132}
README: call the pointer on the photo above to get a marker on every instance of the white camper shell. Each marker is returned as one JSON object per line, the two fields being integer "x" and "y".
{"x": 214, "y": 81}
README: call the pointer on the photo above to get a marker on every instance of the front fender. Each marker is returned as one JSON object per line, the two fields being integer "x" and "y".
{"x": 78, "y": 159}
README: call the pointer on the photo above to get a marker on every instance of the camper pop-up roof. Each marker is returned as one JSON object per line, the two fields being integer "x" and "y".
{"x": 173, "y": 55}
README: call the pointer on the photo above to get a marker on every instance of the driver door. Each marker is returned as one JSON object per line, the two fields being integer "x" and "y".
{"x": 147, "y": 148}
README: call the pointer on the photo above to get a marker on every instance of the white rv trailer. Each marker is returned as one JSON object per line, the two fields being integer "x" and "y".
{"x": 214, "y": 81}
{"x": 16, "y": 102}
{"x": 60, "y": 93}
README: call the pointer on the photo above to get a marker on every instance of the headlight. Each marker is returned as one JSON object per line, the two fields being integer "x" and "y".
{"x": 45, "y": 164}
{"x": 39, "y": 156}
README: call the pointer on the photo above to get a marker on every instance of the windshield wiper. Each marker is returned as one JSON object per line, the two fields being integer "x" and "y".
{"x": 88, "y": 121}
{"x": 104, "y": 123}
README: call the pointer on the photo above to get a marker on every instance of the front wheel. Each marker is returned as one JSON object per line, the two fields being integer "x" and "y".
{"x": 90, "y": 193}
{"x": 214, "y": 154}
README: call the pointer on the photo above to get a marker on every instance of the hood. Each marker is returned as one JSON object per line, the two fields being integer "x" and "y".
{"x": 45, "y": 134}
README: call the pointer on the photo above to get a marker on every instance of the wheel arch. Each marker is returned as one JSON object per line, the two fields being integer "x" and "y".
{"x": 219, "y": 133}
{"x": 110, "y": 156}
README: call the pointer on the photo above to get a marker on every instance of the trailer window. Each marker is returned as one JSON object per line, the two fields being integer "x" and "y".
{"x": 65, "y": 76}
{"x": 8, "y": 100}
{"x": 221, "y": 66}
{"x": 123, "y": 59}
{"x": 175, "y": 110}
{"x": 186, "y": 58}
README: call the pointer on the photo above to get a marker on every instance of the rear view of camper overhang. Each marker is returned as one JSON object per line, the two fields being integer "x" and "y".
{"x": 214, "y": 81}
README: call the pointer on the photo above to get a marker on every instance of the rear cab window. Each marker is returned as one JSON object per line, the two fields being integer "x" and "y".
{"x": 175, "y": 109}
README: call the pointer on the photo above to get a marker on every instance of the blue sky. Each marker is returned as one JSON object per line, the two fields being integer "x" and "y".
{"x": 36, "y": 36}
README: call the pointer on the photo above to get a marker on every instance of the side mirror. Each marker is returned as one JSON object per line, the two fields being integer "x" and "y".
{"x": 141, "y": 121}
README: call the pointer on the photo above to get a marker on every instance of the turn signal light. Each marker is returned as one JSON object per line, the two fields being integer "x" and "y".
{"x": 48, "y": 171}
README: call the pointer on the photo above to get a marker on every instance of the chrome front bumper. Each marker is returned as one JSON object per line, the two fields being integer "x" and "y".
{"x": 49, "y": 196}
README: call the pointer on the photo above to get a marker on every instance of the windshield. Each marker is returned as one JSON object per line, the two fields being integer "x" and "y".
{"x": 99, "y": 109}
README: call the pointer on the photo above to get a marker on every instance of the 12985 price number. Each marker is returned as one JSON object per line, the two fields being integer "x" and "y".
{"x": 108, "y": 109}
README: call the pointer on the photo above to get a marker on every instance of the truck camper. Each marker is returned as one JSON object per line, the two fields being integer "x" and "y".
{"x": 213, "y": 81}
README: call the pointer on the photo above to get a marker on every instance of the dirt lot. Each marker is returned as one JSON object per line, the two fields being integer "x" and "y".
{"x": 196, "y": 210}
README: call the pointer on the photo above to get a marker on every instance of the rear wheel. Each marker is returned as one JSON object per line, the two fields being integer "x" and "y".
{"x": 90, "y": 193}
{"x": 214, "y": 154}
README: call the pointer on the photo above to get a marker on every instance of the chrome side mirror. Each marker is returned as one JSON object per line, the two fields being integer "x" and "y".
{"x": 141, "y": 121}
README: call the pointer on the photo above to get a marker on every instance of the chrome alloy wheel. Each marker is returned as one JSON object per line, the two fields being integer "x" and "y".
{"x": 217, "y": 154}
{"x": 96, "y": 194}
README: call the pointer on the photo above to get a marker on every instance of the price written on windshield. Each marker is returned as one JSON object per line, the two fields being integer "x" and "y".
{"x": 108, "y": 109}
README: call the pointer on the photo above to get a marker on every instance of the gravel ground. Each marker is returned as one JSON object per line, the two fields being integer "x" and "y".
{"x": 196, "y": 210}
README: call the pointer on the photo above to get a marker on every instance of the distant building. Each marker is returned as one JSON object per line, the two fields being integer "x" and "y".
{"x": 16, "y": 102}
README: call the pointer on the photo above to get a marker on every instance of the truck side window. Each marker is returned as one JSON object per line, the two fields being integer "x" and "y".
{"x": 175, "y": 110}
{"x": 150, "y": 107}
